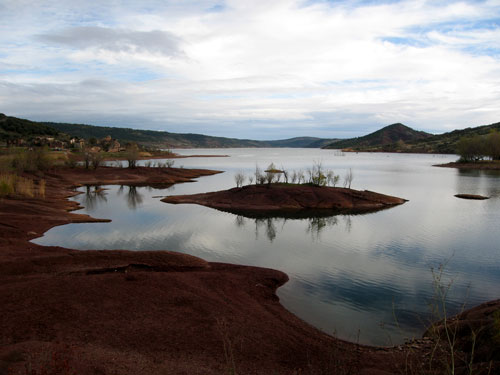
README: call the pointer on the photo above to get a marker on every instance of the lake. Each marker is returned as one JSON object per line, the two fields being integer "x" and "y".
{"x": 367, "y": 278}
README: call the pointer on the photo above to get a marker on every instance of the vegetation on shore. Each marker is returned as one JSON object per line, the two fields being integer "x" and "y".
{"x": 479, "y": 147}
{"x": 315, "y": 175}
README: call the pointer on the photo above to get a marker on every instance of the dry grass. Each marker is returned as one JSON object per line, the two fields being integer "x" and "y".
{"x": 12, "y": 184}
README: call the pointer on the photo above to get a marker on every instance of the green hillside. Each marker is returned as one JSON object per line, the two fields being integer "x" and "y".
{"x": 400, "y": 138}
{"x": 178, "y": 140}
{"x": 12, "y": 128}
{"x": 447, "y": 143}
{"x": 383, "y": 139}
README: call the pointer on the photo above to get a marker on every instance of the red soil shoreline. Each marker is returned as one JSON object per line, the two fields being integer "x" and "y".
{"x": 150, "y": 312}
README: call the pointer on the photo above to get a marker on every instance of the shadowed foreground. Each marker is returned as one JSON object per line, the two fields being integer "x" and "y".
{"x": 151, "y": 312}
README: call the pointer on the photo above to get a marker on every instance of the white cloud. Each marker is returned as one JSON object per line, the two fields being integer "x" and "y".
{"x": 287, "y": 64}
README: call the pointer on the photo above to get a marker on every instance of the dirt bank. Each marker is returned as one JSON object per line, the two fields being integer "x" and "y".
{"x": 284, "y": 198}
{"x": 151, "y": 312}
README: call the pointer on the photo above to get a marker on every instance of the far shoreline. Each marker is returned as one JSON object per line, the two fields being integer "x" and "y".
{"x": 483, "y": 165}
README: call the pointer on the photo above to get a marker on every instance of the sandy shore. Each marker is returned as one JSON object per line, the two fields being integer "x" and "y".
{"x": 152, "y": 312}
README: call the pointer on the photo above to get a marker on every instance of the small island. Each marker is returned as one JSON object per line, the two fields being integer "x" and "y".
{"x": 290, "y": 198}
{"x": 471, "y": 196}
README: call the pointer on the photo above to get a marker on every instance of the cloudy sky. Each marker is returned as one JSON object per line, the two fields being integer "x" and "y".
{"x": 252, "y": 69}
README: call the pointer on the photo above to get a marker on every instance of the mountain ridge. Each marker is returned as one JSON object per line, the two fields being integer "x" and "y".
{"x": 152, "y": 138}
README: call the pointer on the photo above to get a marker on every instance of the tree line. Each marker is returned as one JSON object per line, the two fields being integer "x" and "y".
{"x": 479, "y": 147}
{"x": 316, "y": 175}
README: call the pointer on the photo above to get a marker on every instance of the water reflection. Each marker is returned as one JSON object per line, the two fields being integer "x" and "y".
{"x": 271, "y": 226}
{"x": 348, "y": 273}
{"x": 477, "y": 181}
{"x": 92, "y": 196}
{"x": 134, "y": 198}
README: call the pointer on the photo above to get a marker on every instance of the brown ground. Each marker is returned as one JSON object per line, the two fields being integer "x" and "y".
{"x": 290, "y": 198}
{"x": 67, "y": 312}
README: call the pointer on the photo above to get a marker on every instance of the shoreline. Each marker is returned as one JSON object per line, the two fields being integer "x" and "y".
{"x": 495, "y": 166}
{"x": 154, "y": 312}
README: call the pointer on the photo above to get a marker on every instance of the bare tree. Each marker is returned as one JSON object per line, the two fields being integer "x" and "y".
{"x": 259, "y": 177}
{"x": 87, "y": 158}
{"x": 329, "y": 177}
{"x": 96, "y": 159}
{"x": 336, "y": 180}
{"x": 316, "y": 174}
{"x": 285, "y": 174}
{"x": 239, "y": 178}
{"x": 300, "y": 177}
{"x": 273, "y": 174}
{"x": 348, "y": 178}
{"x": 132, "y": 155}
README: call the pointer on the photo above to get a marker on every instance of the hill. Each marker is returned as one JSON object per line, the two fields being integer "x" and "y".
{"x": 12, "y": 128}
{"x": 400, "y": 138}
{"x": 164, "y": 139}
{"x": 447, "y": 143}
{"x": 381, "y": 140}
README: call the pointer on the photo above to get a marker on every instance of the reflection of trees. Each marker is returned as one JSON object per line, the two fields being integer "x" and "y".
{"x": 240, "y": 221}
{"x": 93, "y": 195}
{"x": 317, "y": 224}
{"x": 269, "y": 227}
{"x": 134, "y": 198}
{"x": 348, "y": 223}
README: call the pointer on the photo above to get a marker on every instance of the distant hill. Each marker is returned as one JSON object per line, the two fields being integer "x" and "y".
{"x": 179, "y": 140}
{"x": 401, "y": 138}
{"x": 305, "y": 142}
{"x": 447, "y": 143}
{"x": 15, "y": 128}
{"x": 381, "y": 139}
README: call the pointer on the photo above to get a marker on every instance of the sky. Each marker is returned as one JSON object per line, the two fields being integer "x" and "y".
{"x": 252, "y": 69}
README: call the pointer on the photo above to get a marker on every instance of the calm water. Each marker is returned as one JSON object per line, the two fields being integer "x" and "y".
{"x": 367, "y": 275}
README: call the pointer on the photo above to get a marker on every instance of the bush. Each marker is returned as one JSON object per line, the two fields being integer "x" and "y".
{"x": 72, "y": 160}
{"x": 96, "y": 159}
{"x": 476, "y": 148}
{"x": 34, "y": 160}
{"x": 132, "y": 155}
